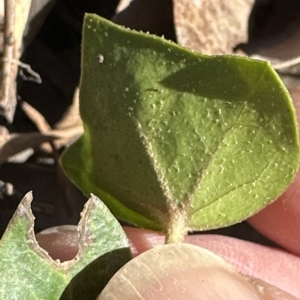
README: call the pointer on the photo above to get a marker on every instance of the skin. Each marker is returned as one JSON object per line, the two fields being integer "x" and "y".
{"x": 280, "y": 221}
{"x": 270, "y": 273}
{"x": 265, "y": 267}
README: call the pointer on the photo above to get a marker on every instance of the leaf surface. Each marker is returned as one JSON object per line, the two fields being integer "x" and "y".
{"x": 176, "y": 137}
{"x": 28, "y": 272}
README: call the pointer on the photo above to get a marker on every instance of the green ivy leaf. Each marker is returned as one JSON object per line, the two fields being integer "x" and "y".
{"x": 176, "y": 140}
{"x": 28, "y": 272}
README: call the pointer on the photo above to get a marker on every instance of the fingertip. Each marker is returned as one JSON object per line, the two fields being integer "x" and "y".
{"x": 280, "y": 221}
{"x": 61, "y": 242}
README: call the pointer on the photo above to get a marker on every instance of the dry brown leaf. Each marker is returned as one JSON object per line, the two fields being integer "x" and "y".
{"x": 36, "y": 117}
{"x": 154, "y": 16}
{"x": 277, "y": 38}
{"x": 39, "y": 10}
{"x": 12, "y": 144}
{"x": 66, "y": 131}
{"x": 16, "y": 15}
{"x": 123, "y": 4}
{"x": 72, "y": 116}
{"x": 1, "y": 27}
{"x": 70, "y": 127}
{"x": 212, "y": 27}
{"x": 15, "y": 143}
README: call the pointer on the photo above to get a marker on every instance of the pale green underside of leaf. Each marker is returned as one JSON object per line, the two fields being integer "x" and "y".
{"x": 28, "y": 272}
{"x": 216, "y": 136}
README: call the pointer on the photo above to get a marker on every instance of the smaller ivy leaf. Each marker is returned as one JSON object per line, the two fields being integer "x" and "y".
{"x": 176, "y": 140}
{"x": 28, "y": 272}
